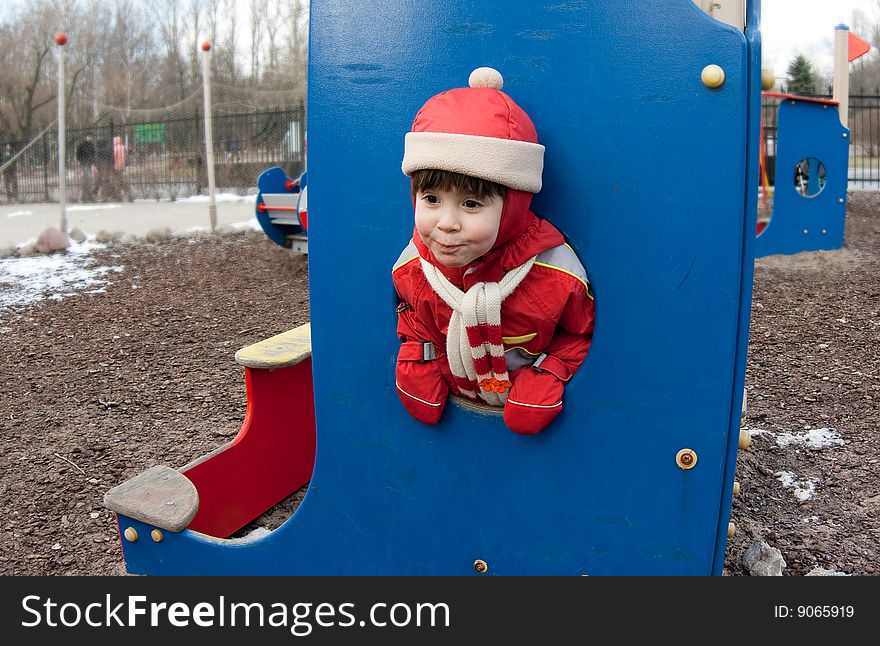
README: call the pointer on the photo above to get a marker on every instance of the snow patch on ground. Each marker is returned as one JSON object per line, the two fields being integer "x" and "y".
{"x": 16, "y": 214}
{"x": 28, "y": 280}
{"x": 203, "y": 199}
{"x": 817, "y": 438}
{"x": 250, "y": 225}
{"x": 218, "y": 197}
{"x": 803, "y": 489}
{"x": 92, "y": 207}
{"x": 200, "y": 199}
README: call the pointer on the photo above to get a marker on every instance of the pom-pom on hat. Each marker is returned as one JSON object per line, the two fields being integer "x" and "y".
{"x": 477, "y": 131}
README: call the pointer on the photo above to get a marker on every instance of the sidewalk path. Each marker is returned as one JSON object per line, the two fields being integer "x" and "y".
{"x": 22, "y": 223}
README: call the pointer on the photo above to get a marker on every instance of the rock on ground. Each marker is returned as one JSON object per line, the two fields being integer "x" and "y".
{"x": 762, "y": 560}
{"x": 77, "y": 235}
{"x": 104, "y": 236}
{"x": 51, "y": 240}
{"x": 158, "y": 235}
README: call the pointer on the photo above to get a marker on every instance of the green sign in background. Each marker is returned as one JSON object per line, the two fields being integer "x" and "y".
{"x": 149, "y": 133}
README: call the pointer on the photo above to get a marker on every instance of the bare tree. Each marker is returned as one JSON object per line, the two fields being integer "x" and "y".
{"x": 133, "y": 55}
{"x": 259, "y": 9}
{"x": 86, "y": 54}
{"x": 226, "y": 58}
{"x": 170, "y": 27}
{"x": 273, "y": 29}
{"x": 129, "y": 62}
{"x": 297, "y": 35}
{"x": 196, "y": 11}
{"x": 27, "y": 80}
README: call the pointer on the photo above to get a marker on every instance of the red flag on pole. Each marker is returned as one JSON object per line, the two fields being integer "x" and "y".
{"x": 857, "y": 47}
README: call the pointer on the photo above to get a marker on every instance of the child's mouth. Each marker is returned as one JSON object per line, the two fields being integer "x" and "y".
{"x": 448, "y": 248}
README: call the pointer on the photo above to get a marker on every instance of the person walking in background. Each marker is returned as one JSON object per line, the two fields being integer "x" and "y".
{"x": 232, "y": 150}
{"x": 106, "y": 189}
{"x": 119, "y": 158}
{"x": 10, "y": 180}
{"x": 85, "y": 156}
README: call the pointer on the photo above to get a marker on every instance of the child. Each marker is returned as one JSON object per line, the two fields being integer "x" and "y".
{"x": 495, "y": 307}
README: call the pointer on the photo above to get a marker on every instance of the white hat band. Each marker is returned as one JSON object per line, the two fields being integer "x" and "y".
{"x": 514, "y": 164}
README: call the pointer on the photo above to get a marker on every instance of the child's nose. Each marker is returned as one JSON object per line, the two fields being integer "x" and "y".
{"x": 448, "y": 219}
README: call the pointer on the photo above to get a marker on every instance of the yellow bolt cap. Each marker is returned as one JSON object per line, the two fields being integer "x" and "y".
{"x": 745, "y": 439}
{"x": 130, "y": 534}
{"x": 712, "y": 76}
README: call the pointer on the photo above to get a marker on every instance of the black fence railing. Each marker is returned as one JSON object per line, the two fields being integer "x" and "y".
{"x": 864, "y": 141}
{"x": 163, "y": 158}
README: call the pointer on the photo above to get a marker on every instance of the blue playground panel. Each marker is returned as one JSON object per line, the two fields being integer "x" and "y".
{"x": 275, "y": 180}
{"x": 807, "y": 129}
{"x": 651, "y": 176}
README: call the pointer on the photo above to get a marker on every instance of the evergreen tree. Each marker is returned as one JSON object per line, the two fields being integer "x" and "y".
{"x": 801, "y": 77}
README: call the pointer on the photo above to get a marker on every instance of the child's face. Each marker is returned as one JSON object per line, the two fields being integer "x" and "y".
{"x": 457, "y": 227}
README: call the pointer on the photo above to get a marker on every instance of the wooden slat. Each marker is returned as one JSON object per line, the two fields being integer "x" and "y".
{"x": 159, "y": 496}
{"x": 279, "y": 351}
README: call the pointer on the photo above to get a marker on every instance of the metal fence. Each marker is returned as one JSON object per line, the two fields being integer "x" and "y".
{"x": 164, "y": 158}
{"x": 864, "y": 141}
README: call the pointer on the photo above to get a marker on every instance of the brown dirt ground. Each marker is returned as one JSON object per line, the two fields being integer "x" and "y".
{"x": 115, "y": 382}
{"x": 103, "y": 386}
{"x": 813, "y": 363}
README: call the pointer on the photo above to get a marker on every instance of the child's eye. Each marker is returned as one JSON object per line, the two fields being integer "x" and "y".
{"x": 430, "y": 199}
{"x": 472, "y": 204}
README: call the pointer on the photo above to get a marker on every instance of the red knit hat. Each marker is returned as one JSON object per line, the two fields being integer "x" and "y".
{"x": 477, "y": 131}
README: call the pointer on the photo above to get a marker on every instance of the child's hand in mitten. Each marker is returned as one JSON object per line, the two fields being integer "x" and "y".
{"x": 420, "y": 383}
{"x": 535, "y": 399}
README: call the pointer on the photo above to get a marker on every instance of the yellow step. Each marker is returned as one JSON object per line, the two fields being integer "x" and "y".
{"x": 279, "y": 351}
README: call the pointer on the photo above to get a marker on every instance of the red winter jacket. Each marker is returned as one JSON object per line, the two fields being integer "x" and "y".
{"x": 550, "y": 313}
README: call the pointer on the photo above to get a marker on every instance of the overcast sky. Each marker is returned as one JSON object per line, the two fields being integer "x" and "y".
{"x": 791, "y": 27}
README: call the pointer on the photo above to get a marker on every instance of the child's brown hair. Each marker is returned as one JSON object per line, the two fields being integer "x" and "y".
{"x": 444, "y": 180}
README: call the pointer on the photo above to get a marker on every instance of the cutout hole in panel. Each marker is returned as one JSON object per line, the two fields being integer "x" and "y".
{"x": 809, "y": 177}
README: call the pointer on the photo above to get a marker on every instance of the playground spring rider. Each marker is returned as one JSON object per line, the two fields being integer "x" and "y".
{"x": 809, "y": 198}
{"x": 281, "y": 208}
{"x": 636, "y": 474}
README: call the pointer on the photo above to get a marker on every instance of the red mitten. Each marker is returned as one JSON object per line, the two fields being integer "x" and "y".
{"x": 536, "y": 397}
{"x": 420, "y": 382}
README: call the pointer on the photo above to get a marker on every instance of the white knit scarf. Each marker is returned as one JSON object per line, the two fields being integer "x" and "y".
{"x": 474, "y": 347}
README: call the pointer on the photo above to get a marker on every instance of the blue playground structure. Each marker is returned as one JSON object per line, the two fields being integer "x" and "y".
{"x": 812, "y": 165}
{"x": 280, "y": 208}
{"x": 651, "y": 171}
